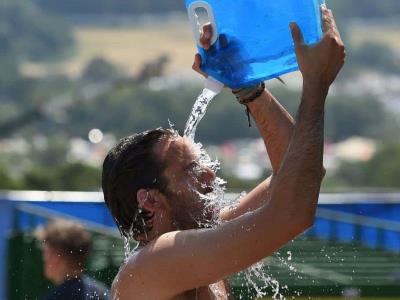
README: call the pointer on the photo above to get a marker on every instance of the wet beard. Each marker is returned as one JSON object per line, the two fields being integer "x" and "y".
{"x": 190, "y": 212}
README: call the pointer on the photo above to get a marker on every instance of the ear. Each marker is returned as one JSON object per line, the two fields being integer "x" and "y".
{"x": 151, "y": 200}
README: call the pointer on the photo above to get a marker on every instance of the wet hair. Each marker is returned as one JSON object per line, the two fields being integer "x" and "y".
{"x": 130, "y": 166}
{"x": 69, "y": 238}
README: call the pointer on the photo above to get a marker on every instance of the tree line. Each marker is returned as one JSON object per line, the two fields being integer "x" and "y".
{"x": 31, "y": 34}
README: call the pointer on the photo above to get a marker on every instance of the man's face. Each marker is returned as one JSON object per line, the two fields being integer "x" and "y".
{"x": 188, "y": 183}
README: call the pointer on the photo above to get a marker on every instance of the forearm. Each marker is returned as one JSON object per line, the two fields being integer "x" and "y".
{"x": 295, "y": 163}
{"x": 296, "y": 187}
{"x": 275, "y": 125}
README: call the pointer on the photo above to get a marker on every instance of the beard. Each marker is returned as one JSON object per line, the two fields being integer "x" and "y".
{"x": 191, "y": 209}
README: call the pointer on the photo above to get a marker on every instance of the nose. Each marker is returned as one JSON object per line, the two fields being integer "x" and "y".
{"x": 207, "y": 175}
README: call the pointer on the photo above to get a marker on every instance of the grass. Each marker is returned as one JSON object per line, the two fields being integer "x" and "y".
{"x": 130, "y": 47}
{"x": 389, "y": 36}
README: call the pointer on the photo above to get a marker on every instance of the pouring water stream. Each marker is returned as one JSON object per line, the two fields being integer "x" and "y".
{"x": 212, "y": 88}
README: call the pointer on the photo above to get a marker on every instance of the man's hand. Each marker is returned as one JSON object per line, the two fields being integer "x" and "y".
{"x": 205, "y": 41}
{"x": 320, "y": 63}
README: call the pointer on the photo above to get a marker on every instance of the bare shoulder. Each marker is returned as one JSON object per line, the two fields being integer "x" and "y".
{"x": 138, "y": 277}
{"x": 126, "y": 283}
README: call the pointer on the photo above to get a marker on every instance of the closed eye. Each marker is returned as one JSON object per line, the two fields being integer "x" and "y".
{"x": 193, "y": 166}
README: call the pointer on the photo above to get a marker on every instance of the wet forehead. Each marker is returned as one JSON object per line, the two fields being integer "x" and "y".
{"x": 177, "y": 150}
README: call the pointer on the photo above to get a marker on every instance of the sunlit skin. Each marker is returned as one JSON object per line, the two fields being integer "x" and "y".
{"x": 185, "y": 175}
{"x": 179, "y": 260}
{"x": 186, "y": 178}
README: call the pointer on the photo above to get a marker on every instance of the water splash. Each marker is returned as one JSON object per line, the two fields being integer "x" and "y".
{"x": 287, "y": 262}
{"x": 198, "y": 112}
{"x": 127, "y": 248}
{"x": 289, "y": 253}
{"x": 214, "y": 200}
{"x": 257, "y": 276}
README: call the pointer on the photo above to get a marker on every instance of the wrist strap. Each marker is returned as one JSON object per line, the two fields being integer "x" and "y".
{"x": 249, "y": 94}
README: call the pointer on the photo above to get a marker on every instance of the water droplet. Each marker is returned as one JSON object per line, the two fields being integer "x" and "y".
{"x": 289, "y": 253}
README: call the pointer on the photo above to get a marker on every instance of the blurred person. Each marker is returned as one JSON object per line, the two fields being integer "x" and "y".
{"x": 66, "y": 246}
{"x": 154, "y": 184}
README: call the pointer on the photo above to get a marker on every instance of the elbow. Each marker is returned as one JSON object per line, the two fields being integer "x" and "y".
{"x": 323, "y": 172}
{"x": 309, "y": 222}
{"x": 320, "y": 175}
{"x": 305, "y": 224}
{"x": 302, "y": 226}
{"x": 309, "y": 217}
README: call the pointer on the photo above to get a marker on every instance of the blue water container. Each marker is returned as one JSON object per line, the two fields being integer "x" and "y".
{"x": 252, "y": 40}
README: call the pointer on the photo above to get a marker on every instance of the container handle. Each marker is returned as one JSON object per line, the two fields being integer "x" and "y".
{"x": 200, "y": 14}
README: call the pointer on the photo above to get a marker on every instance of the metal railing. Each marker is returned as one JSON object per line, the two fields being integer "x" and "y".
{"x": 359, "y": 220}
{"x": 25, "y": 201}
{"x": 34, "y": 211}
{"x": 386, "y": 236}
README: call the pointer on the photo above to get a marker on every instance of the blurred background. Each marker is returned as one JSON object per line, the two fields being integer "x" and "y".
{"x": 76, "y": 76}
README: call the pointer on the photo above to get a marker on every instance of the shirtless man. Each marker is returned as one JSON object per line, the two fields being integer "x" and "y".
{"x": 146, "y": 180}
